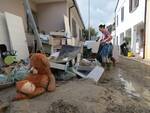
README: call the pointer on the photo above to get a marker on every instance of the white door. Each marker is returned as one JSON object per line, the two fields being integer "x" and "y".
{"x": 17, "y": 35}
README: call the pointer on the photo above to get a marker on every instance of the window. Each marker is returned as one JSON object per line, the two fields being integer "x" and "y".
{"x": 117, "y": 20}
{"x": 117, "y": 41}
{"x": 122, "y": 14}
{"x": 74, "y": 29}
{"x": 121, "y": 38}
{"x": 80, "y": 33}
{"x": 133, "y": 4}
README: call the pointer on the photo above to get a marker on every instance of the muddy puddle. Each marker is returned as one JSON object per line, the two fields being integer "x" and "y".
{"x": 133, "y": 88}
{"x": 63, "y": 107}
{"x": 127, "y": 109}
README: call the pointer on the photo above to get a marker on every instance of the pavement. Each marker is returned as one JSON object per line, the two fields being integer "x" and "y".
{"x": 123, "y": 89}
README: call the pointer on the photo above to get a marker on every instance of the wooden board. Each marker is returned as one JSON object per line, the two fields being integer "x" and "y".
{"x": 17, "y": 35}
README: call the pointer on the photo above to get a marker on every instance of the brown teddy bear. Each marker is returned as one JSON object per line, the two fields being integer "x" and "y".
{"x": 40, "y": 81}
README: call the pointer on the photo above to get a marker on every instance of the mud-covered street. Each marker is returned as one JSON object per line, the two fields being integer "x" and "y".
{"x": 123, "y": 89}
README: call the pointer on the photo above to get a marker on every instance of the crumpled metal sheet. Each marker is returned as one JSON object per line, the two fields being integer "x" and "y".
{"x": 68, "y": 51}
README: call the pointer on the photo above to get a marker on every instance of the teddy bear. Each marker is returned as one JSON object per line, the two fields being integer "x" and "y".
{"x": 37, "y": 83}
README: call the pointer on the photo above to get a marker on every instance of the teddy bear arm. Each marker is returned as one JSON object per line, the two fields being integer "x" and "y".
{"x": 52, "y": 84}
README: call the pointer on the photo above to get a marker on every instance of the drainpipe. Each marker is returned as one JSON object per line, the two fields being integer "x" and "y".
{"x": 145, "y": 30}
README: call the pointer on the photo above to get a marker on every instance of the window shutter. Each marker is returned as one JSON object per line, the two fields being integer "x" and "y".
{"x": 130, "y": 5}
{"x": 122, "y": 14}
{"x": 136, "y": 3}
{"x": 117, "y": 20}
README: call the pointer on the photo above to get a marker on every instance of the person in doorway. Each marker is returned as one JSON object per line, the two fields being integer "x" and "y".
{"x": 105, "y": 42}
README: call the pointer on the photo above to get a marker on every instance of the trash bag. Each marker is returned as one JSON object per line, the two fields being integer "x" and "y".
{"x": 3, "y": 78}
{"x": 130, "y": 54}
{"x": 19, "y": 73}
{"x": 5, "y": 82}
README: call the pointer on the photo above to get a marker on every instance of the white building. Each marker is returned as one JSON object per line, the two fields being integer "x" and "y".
{"x": 147, "y": 43}
{"x": 130, "y": 17}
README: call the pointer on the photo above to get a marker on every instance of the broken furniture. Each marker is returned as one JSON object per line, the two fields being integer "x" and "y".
{"x": 64, "y": 61}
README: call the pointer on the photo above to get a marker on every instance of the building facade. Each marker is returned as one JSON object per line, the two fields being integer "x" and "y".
{"x": 130, "y": 19}
{"x": 147, "y": 41}
{"x": 48, "y": 15}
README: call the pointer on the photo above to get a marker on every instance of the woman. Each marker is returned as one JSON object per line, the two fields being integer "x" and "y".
{"x": 106, "y": 47}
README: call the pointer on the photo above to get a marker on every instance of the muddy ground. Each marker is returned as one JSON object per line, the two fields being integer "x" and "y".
{"x": 123, "y": 89}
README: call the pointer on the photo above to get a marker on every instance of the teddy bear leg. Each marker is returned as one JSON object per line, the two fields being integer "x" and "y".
{"x": 52, "y": 84}
{"x": 38, "y": 91}
{"x": 20, "y": 96}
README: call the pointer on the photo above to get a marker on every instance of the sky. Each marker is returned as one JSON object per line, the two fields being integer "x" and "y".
{"x": 102, "y": 11}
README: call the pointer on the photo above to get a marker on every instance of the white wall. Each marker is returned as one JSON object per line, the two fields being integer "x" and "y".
{"x": 130, "y": 19}
{"x": 75, "y": 16}
{"x": 51, "y": 16}
{"x": 147, "y": 51}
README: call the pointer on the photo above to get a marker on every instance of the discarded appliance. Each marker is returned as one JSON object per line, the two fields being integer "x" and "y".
{"x": 62, "y": 62}
{"x": 93, "y": 72}
{"x": 17, "y": 35}
{"x": 93, "y": 45}
{"x": 12, "y": 35}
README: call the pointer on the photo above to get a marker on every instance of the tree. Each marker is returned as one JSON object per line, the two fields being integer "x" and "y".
{"x": 93, "y": 33}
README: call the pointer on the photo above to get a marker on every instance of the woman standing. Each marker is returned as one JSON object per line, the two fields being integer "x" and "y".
{"x": 106, "y": 48}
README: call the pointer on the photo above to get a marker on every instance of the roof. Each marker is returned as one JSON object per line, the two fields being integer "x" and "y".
{"x": 117, "y": 5}
{"x": 77, "y": 7}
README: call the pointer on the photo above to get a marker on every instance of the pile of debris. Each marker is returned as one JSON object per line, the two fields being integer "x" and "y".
{"x": 13, "y": 73}
{"x": 65, "y": 65}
